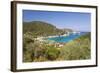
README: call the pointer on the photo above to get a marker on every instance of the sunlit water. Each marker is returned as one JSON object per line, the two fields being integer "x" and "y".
{"x": 64, "y": 39}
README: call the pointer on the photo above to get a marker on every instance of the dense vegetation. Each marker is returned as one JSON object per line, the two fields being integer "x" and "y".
{"x": 36, "y": 51}
{"x": 77, "y": 49}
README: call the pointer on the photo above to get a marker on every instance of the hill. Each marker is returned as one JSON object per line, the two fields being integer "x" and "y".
{"x": 40, "y": 28}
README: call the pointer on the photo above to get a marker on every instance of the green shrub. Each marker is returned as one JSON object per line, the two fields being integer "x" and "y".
{"x": 52, "y": 53}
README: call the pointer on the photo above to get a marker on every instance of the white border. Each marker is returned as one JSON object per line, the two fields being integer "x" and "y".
{"x": 21, "y": 65}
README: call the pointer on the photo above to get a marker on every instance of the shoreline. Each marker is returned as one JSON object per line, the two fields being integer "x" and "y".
{"x": 54, "y": 36}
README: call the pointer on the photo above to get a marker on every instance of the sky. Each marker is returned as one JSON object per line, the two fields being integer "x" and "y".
{"x": 73, "y": 20}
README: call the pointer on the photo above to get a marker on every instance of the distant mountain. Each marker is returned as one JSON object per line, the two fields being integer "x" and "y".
{"x": 67, "y": 30}
{"x": 41, "y": 28}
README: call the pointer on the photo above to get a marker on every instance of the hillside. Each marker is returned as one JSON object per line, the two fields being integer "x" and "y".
{"x": 40, "y": 28}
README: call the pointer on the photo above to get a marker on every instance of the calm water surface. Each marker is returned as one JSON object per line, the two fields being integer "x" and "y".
{"x": 64, "y": 39}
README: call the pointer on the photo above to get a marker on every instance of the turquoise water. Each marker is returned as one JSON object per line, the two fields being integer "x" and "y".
{"x": 64, "y": 39}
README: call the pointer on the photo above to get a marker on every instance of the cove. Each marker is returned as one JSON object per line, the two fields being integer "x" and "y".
{"x": 64, "y": 39}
